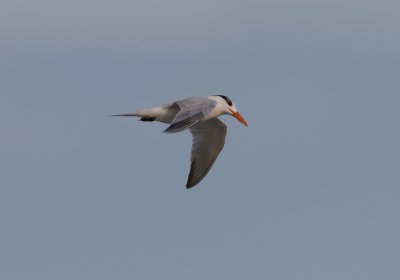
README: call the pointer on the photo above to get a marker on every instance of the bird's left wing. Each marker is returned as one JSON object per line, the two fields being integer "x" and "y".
{"x": 208, "y": 142}
{"x": 192, "y": 110}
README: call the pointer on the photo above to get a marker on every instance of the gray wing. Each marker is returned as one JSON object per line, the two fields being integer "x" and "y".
{"x": 192, "y": 110}
{"x": 208, "y": 142}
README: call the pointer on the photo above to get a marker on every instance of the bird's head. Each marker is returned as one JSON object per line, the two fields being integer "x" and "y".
{"x": 231, "y": 109}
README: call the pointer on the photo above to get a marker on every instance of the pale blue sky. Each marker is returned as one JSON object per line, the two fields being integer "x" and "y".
{"x": 309, "y": 191}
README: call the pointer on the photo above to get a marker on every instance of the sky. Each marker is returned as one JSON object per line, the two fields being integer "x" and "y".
{"x": 310, "y": 190}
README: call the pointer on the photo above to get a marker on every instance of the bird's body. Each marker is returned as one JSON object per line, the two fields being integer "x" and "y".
{"x": 200, "y": 115}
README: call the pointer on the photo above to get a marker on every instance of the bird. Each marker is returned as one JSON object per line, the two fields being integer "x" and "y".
{"x": 200, "y": 115}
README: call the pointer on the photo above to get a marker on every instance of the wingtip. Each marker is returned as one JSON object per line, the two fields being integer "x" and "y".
{"x": 191, "y": 182}
{"x": 168, "y": 130}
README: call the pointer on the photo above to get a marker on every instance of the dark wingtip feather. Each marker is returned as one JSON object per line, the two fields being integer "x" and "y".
{"x": 168, "y": 130}
{"x": 190, "y": 183}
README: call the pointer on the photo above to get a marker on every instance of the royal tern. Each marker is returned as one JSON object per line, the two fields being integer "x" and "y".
{"x": 200, "y": 115}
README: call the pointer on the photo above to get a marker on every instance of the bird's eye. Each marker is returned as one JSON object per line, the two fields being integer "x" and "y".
{"x": 230, "y": 103}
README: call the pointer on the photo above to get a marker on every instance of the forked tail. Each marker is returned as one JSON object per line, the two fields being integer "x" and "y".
{"x": 143, "y": 117}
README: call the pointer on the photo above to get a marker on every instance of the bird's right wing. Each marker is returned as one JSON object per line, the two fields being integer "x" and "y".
{"x": 208, "y": 142}
{"x": 192, "y": 110}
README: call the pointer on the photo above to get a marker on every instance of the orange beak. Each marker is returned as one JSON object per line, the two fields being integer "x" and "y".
{"x": 239, "y": 117}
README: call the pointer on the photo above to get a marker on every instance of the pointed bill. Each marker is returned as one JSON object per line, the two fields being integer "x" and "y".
{"x": 239, "y": 117}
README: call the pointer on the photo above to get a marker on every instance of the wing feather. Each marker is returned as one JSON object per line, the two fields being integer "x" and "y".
{"x": 208, "y": 142}
{"x": 192, "y": 110}
{"x": 184, "y": 124}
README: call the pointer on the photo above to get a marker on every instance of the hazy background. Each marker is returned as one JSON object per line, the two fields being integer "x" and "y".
{"x": 309, "y": 191}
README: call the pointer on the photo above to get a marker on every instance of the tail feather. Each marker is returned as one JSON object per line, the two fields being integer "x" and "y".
{"x": 142, "y": 115}
{"x": 127, "y": 115}
{"x": 163, "y": 114}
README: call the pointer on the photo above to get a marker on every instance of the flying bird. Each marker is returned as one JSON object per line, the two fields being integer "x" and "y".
{"x": 200, "y": 115}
